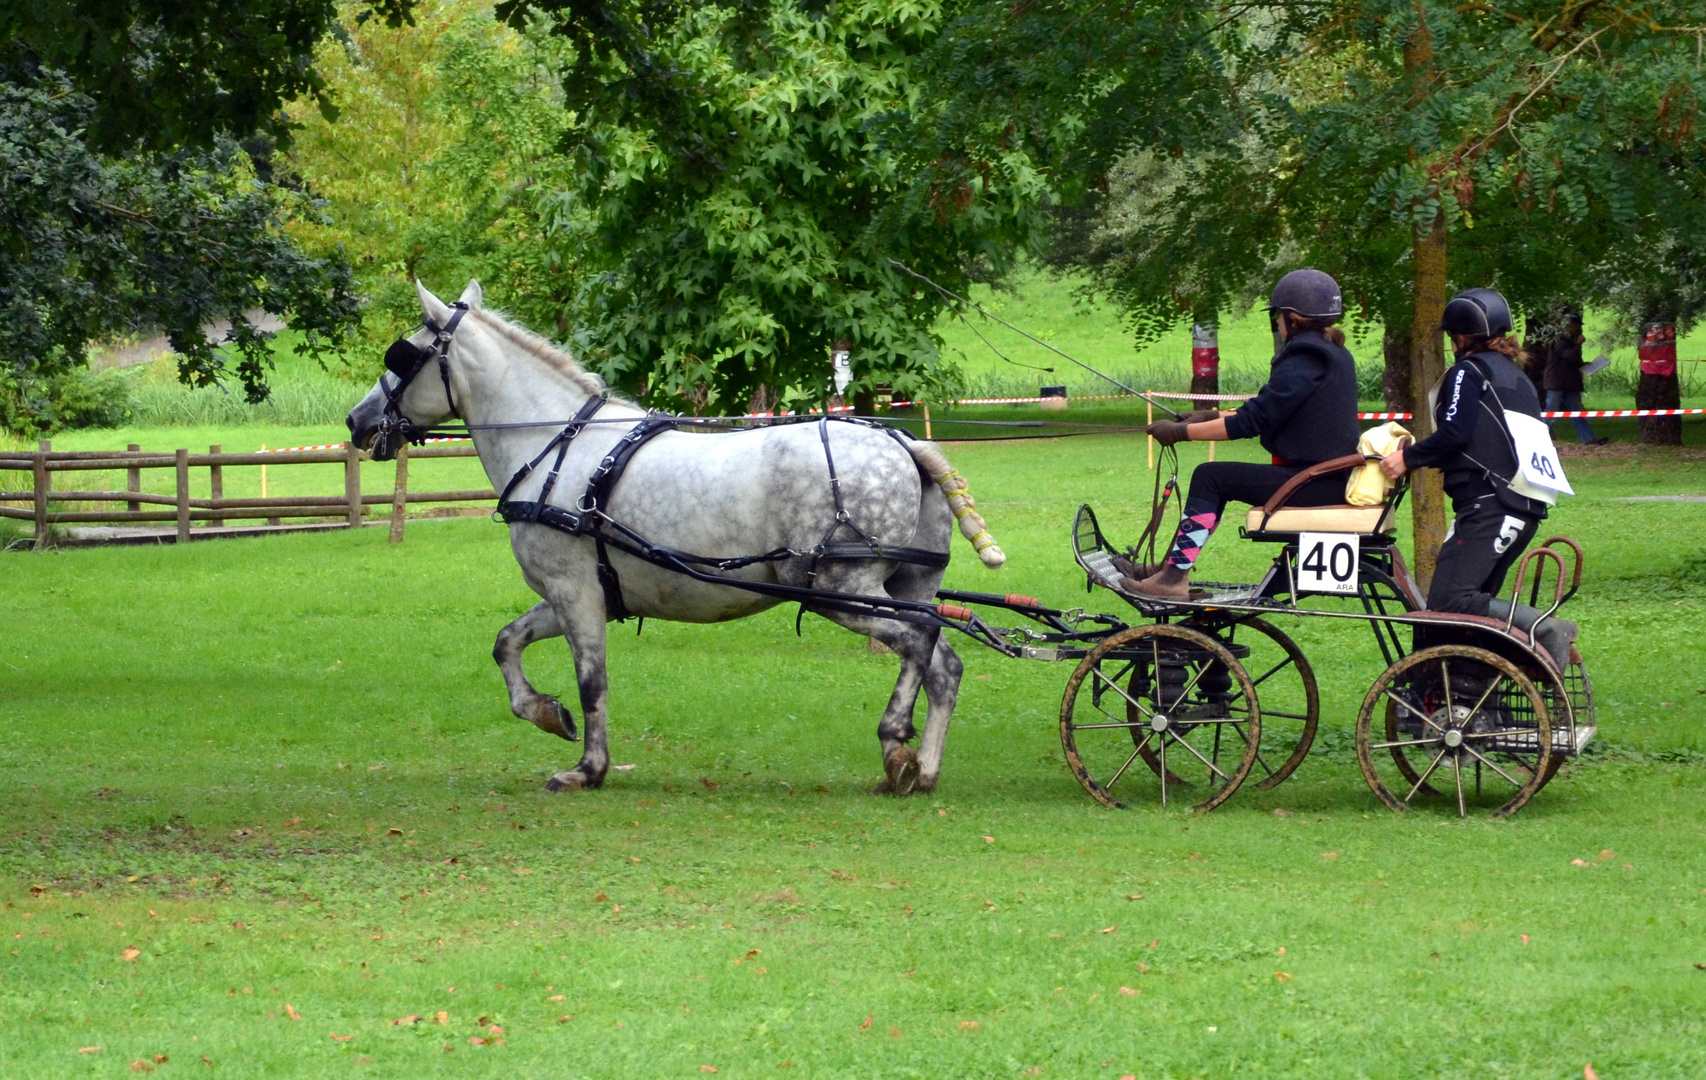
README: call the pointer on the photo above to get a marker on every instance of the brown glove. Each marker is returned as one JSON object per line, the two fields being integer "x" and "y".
{"x": 1168, "y": 432}
{"x": 1200, "y": 416}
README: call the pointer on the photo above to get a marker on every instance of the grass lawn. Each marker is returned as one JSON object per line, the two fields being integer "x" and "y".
{"x": 261, "y": 798}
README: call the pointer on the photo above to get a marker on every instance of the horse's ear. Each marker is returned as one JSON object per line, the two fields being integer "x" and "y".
{"x": 473, "y": 295}
{"x": 434, "y": 310}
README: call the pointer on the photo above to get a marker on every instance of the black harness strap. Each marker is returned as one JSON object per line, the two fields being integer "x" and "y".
{"x": 561, "y": 442}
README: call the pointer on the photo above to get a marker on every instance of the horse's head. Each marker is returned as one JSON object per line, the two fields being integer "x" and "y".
{"x": 414, "y": 393}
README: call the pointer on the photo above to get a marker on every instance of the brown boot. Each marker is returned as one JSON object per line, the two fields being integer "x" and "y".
{"x": 1131, "y": 568}
{"x": 1167, "y": 583}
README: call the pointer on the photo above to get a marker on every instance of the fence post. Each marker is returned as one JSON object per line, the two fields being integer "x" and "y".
{"x": 352, "y": 483}
{"x": 183, "y": 496}
{"x": 133, "y": 479}
{"x": 400, "y": 494}
{"x": 216, "y": 477}
{"x": 42, "y": 483}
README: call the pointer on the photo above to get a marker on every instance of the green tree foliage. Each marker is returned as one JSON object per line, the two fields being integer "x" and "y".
{"x": 743, "y": 175}
{"x": 92, "y": 246}
{"x": 446, "y": 136}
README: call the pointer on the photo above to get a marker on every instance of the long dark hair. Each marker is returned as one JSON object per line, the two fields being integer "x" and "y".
{"x": 1504, "y": 343}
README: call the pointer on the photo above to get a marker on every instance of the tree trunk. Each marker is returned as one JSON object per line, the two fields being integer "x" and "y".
{"x": 1427, "y": 364}
{"x": 1427, "y": 307}
{"x": 1205, "y": 359}
{"x": 1395, "y": 382}
{"x": 1659, "y": 387}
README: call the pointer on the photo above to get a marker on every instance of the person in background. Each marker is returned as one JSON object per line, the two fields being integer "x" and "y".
{"x": 1305, "y": 414}
{"x": 1471, "y": 445}
{"x": 1563, "y": 379}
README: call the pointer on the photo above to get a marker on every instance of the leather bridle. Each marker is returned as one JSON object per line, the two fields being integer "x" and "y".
{"x": 406, "y": 360}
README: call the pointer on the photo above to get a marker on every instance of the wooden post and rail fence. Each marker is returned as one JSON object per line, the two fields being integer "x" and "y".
{"x": 352, "y": 505}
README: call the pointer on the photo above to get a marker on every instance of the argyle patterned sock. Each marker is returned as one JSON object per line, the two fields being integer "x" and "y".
{"x": 1194, "y": 531}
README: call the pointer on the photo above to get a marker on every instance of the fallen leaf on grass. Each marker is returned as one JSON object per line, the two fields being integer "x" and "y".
{"x": 557, "y": 997}
{"x": 205, "y": 1060}
{"x": 565, "y": 1018}
{"x": 393, "y": 832}
{"x": 1608, "y": 854}
{"x": 625, "y": 768}
{"x": 1329, "y": 854}
{"x": 894, "y": 1033}
{"x": 707, "y": 1068}
{"x": 1588, "y": 1073}
{"x": 401, "y": 1020}
{"x": 1525, "y": 939}
{"x": 89, "y": 1049}
{"x": 1154, "y": 943}
{"x": 441, "y": 1018}
{"x": 865, "y": 1025}
{"x": 1034, "y": 1070}
{"x": 989, "y": 839}
{"x": 343, "y": 1038}
{"x": 290, "y": 1010}
{"x": 1580, "y": 862}
{"x": 784, "y": 1064}
{"x": 523, "y": 870}
{"x": 1194, "y": 857}
{"x": 1700, "y": 967}
{"x": 709, "y": 784}
{"x": 1282, "y": 951}
{"x": 968, "y": 1025}
{"x": 140, "y": 1066}
{"x": 1135, "y": 896}
{"x": 1128, "y": 991}
{"x": 1109, "y": 929}
{"x": 1280, "y": 811}
{"x": 1282, "y": 976}
{"x": 600, "y": 898}
{"x": 131, "y": 952}
{"x": 1128, "y": 1076}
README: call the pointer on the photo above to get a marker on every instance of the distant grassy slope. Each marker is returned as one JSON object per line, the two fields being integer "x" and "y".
{"x": 1051, "y": 307}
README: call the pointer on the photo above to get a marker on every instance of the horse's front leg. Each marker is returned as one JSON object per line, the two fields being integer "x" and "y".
{"x": 582, "y": 620}
{"x": 541, "y": 710}
{"x": 941, "y": 690}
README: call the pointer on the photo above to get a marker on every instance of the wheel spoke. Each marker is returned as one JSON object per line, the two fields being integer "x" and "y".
{"x": 1192, "y": 685}
{"x": 1485, "y": 694}
{"x": 1115, "y": 687}
{"x": 1163, "y": 747}
{"x": 1423, "y": 716}
{"x": 1127, "y": 724}
{"x": 1457, "y": 770}
{"x": 1390, "y": 745}
{"x": 1422, "y": 780}
{"x": 1200, "y": 758}
{"x": 1488, "y": 762}
{"x": 1286, "y": 715}
{"x": 1114, "y": 779}
{"x": 1283, "y": 663}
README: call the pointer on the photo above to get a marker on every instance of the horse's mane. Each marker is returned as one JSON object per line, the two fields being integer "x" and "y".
{"x": 585, "y": 381}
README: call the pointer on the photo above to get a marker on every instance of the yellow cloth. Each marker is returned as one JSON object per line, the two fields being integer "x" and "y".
{"x": 1367, "y": 485}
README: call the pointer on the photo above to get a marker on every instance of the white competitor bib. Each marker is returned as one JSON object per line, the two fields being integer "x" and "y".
{"x": 1327, "y": 563}
{"x": 1539, "y": 473}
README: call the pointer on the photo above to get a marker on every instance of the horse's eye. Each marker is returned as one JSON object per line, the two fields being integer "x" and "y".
{"x": 403, "y": 358}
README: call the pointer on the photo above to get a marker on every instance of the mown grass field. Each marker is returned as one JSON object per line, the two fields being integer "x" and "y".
{"x": 248, "y": 781}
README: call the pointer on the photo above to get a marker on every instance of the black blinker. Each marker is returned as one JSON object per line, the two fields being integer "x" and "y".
{"x": 404, "y": 358}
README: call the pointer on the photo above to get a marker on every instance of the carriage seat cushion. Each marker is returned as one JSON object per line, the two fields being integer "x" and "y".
{"x": 1366, "y": 520}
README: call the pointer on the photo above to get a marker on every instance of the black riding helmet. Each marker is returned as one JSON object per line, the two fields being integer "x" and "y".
{"x": 1310, "y": 293}
{"x": 1477, "y": 313}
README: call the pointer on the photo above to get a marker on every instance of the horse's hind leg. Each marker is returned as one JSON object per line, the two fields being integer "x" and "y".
{"x": 915, "y": 645}
{"x": 541, "y": 710}
{"x": 942, "y": 689}
{"x": 580, "y": 612}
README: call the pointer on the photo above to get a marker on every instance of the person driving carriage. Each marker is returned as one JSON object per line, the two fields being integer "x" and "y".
{"x": 1306, "y": 413}
{"x": 1473, "y": 447}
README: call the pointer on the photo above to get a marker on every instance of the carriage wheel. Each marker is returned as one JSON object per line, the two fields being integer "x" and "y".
{"x": 1286, "y": 692}
{"x": 1166, "y": 689}
{"x": 1463, "y": 717}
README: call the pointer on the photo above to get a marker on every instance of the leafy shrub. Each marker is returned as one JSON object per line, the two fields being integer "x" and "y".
{"x": 34, "y": 406}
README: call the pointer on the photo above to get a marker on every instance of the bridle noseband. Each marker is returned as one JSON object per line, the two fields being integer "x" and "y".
{"x": 406, "y": 360}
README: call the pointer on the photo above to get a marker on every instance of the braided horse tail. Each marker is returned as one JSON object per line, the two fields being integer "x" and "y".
{"x": 954, "y": 486}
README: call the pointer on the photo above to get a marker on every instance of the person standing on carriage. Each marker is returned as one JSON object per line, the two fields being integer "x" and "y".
{"x": 1473, "y": 446}
{"x": 1305, "y": 414}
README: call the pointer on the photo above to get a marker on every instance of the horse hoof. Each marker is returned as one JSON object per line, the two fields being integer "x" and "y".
{"x": 566, "y": 781}
{"x": 565, "y": 723}
{"x": 549, "y": 716}
{"x": 901, "y": 765}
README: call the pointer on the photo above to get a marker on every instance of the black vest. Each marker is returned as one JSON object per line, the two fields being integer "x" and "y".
{"x": 1325, "y": 425}
{"x": 1488, "y": 463}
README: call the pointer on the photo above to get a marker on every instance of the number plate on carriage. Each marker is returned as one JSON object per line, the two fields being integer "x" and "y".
{"x": 1327, "y": 563}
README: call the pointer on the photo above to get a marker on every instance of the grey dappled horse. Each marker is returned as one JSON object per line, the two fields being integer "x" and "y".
{"x": 719, "y": 495}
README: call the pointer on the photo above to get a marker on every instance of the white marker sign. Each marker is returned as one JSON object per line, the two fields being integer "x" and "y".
{"x": 1327, "y": 563}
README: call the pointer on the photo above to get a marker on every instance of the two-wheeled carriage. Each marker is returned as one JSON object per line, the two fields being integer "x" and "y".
{"x": 1210, "y": 693}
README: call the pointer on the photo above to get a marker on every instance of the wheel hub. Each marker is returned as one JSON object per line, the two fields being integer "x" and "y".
{"x": 1160, "y": 722}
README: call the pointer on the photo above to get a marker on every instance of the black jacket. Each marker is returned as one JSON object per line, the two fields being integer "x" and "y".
{"x": 1307, "y": 412}
{"x": 1470, "y": 443}
{"x": 1564, "y": 365}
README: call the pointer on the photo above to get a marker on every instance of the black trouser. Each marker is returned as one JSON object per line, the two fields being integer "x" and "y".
{"x": 1482, "y": 543}
{"x": 1215, "y": 483}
